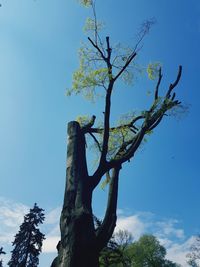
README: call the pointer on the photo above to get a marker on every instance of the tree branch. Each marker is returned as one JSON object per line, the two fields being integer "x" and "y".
{"x": 131, "y": 57}
{"x": 131, "y": 125}
{"x": 152, "y": 120}
{"x": 96, "y": 141}
{"x": 106, "y": 123}
{"x": 158, "y": 84}
{"x": 105, "y": 166}
{"x": 109, "y": 50}
{"x": 98, "y": 49}
{"x": 173, "y": 85}
{"x": 131, "y": 150}
{"x": 88, "y": 126}
{"x": 105, "y": 231}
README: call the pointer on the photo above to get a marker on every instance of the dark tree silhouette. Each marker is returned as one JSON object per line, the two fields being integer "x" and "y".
{"x": 101, "y": 66}
{"x": 1, "y": 252}
{"x": 28, "y": 241}
{"x": 115, "y": 253}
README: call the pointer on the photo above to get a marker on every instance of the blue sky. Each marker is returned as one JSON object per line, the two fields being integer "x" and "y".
{"x": 38, "y": 54}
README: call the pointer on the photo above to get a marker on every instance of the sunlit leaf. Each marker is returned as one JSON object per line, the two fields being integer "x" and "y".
{"x": 106, "y": 181}
{"x": 86, "y": 3}
{"x": 153, "y": 70}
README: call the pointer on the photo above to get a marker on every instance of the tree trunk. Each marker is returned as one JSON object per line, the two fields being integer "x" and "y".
{"x": 80, "y": 242}
{"x": 77, "y": 247}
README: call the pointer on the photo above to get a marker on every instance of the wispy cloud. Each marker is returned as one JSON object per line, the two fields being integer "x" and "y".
{"x": 11, "y": 216}
{"x": 177, "y": 251}
{"x": 53, "y": 216}
{"x": 168, "y": 228}
{"x": 131, "y": 223}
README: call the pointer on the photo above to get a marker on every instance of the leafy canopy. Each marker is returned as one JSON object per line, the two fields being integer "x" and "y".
{"x": 101, "y": 66}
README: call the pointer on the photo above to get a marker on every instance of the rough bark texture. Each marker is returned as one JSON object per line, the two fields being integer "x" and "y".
{"x": 77, "y": 247}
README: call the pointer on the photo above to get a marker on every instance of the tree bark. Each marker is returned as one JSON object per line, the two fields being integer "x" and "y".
{"x": 77, "y": 247}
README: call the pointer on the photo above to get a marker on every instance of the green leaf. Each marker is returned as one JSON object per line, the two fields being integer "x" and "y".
{"x": 153, "y": 70}
{"x": 91, "y": 25}
{"x": 86, "y": 3}
{"x": 106, "y": 181}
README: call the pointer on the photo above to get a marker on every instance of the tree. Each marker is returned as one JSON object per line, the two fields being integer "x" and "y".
{"x": 115, "y": 253}
{"x": 101, "y": 67}
{"x": 194, "y": 254}
{"x": 147, "y": 251}
{"x": 1, "y": 252}
{"x": 122, "y": 252}
{"x": 28, "y": 241}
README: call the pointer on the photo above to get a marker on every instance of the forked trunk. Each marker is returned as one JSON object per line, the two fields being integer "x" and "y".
{"x": 77, "y": 247}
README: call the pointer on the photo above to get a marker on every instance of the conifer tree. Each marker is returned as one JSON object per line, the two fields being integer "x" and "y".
{"x": 28, "y": 241}
{"x": 1, "y": 252}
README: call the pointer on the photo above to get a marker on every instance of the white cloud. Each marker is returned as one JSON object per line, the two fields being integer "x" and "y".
{"x": 177, "y": 251}
{"x": 53, "y": 216}
{"x": 53, "y": 234}
{"x": 11, "y": 216}
{"x": 50, "y": 243}
{"x": 168, "y": 228}
{"x": 131, "y": 223}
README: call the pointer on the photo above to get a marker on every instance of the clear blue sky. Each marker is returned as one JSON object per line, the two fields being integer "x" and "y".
{"x": 38, "y": 54}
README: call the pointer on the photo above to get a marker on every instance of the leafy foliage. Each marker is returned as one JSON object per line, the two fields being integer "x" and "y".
{"x": 147, "y": 251}
{"x": 91, "y": 25}
{"x": 28, "y": 241}
{"x": 86, "y": 3}
{"x": 100, "y": 65}
{"x": 89, "y": 75}
{"x": 122, "y": 252}
{"x": 83, "y": 120}
{"x": 115, "y": 253}
{"x": 153, "y": 70}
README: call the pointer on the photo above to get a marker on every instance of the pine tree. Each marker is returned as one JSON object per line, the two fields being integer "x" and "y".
{"x": 1, "y": 252}
{"x": 28, "y": 241}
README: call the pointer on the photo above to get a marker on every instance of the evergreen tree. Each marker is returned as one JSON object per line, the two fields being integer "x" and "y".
{"x": 1, "y": 252}
{"x": 28, "y": 241}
